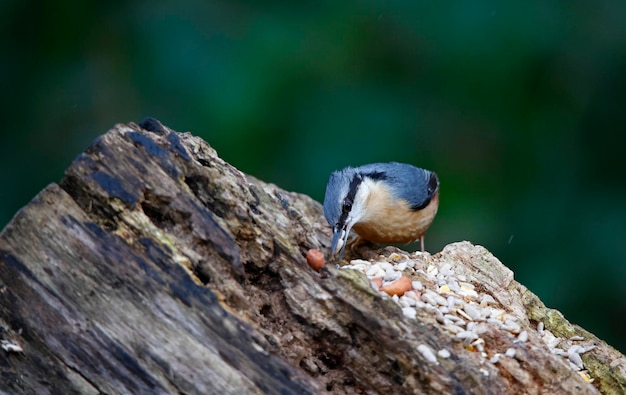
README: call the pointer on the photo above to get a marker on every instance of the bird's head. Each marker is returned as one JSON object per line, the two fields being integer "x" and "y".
{"x": 345, "y": 204}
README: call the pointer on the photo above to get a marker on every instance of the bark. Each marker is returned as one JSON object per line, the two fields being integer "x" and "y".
{"x": 156, "y": 267}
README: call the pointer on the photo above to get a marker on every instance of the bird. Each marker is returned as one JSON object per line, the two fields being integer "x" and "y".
{"x": 383, "y": 203}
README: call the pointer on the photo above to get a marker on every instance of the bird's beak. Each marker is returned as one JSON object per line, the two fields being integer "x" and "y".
{"x": 340, "y": 237}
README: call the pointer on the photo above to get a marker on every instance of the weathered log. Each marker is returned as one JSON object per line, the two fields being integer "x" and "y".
{"x": 156, "y": 267}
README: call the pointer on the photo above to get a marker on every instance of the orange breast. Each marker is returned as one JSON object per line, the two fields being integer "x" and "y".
{"x": 395, "y": 223}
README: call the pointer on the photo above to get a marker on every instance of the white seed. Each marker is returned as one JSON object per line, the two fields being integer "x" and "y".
{"x": 461, "y": 322}
{"x": 441, "y": 300}
{"x": 411, "y": 295}
{"x": 417, "y": 285}
{"x": 428, "y": 298}
{"x": 359, "y": 267}
{"x": 409, "y": 312}
{"x": 540, "y": 327}
{"x": 452, "y": 317}
{"x": 487, "y": 300}
{"x": 575, "y": 349}
{"x": 404, "y": 302}
{"x": 468, "y": 293}
{"x": 11, "y": 346}
{"x": 386, "y": 266}
{"x": 340, "y": 241}
{"x": 472, "y": 311}
{"x": 372, "y": 270}
{"x": 454, "y": 328}
{"x": 523, "y": 337}
{"x": 467, "y": 335}
{"x": 443, "y": 353}
{"x": 512, "y": 326}
{"x": 391, "y": 275}
{"x": 510, "y": 353}
{"x": 482, "y": 328}
{"x": 495, "y": 358}
{"x": 464, "y": 315}
{"x": 576, "y": 360}
{"x": 427, "y": 353}
{"x": 411, "y": 301}
{"x": 401, "y": 266}
{"x": 576, "y": 338}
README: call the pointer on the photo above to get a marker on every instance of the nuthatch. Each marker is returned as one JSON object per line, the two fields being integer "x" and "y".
{"x": 382, "y": 202}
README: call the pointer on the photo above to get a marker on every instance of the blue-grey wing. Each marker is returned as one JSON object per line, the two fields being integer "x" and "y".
{"x": 413, "y": 184}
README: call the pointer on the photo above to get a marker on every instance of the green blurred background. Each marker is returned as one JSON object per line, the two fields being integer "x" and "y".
{"x": 520, "y": 109}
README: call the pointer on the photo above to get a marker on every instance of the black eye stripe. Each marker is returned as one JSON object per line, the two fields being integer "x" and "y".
{"x": 349, "y": 200}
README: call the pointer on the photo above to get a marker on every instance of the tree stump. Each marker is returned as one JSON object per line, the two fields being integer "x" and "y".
{"x": 156, "y": 267}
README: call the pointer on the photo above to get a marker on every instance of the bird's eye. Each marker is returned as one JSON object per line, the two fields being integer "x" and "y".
{"x": 347, "y": 204}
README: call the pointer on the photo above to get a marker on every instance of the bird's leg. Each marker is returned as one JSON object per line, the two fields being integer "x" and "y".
{"x": 355, "y": 243}
{"x": 422, "y": 242}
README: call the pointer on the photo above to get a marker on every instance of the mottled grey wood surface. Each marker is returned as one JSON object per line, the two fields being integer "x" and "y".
{"x": 155, "y": 267}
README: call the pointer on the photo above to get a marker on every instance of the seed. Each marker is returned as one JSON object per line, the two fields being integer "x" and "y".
{"x": 467, "y": 335}
{"x": 412, "y": 295}
{"x": 523, "y": 336}
{"x": 315, "y": 259}
{"x": 427, "y": 353}
{"x": 409, "y": 312}
{"x": 372, "y": 270}
{"x": 398, "y": 287}
{"x": 417, "y": 285}
{"x": 576, "y": 360}
{"x": 392, "y": 275}
{"x": 472, "y": 311}
{"x": 487, "y": 300}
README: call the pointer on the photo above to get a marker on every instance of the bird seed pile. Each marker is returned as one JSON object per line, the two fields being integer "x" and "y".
{"x": 460, "y": 307}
